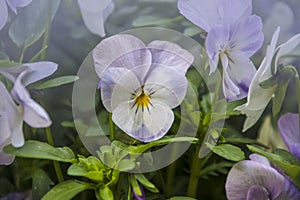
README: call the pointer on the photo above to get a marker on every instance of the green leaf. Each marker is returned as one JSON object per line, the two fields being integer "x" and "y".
{"x": 126, "y": 165}
{"x": 154, "y": 20}
{"x": 228, "y": 151}
{"x": 57, "y": 82}
{"x": 135, "y": 186}
{"x": 66, "y": 190}
{"x": 283, "y": 159}
{"x": 40, "y": 184}
{"x": 31, "y": 21}
{"x": 192, "y": 31}
{"x": 41, "y": 150}
{"x": 90, "y": 168}
{"x": 106, "y": 193}
{"x": 278, "y": 99}
{"x": 146, "y": 183}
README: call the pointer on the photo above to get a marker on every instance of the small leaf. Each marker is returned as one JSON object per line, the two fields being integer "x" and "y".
{"x": 289, "y": 164}
{"x": 126, "y": 165}
{"x": 192, "y": 31}
{"x": 135, "y": 186}
{"x": 146, "y": 183}
{"x": 66, "y": 190}
{"x": 41, "y": 150}
{"x": 106, "y": 193}
{"x": 216, "y": 167}
{"x": 152, "y": 20}
{"x": 278, "y": 99}
{"x": 57, "y": 82}
{"x": 228, "y": 151}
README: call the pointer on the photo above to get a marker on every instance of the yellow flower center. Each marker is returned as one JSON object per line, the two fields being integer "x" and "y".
{"x": 143, "y": 100}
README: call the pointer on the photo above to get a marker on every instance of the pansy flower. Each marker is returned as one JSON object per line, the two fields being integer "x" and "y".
{"x": 13, "y": 4}
{"x": 95, "y": 13}
{"x": 233, "y": 36}
{"x": 288, "y": 126}
{"x": 140, "y": 84}
{"x": 17, "y": 106}
{"x": 256, "y": 179}
{"x": 258, "y": 97}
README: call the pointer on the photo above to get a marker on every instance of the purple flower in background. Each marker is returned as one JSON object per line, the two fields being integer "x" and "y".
{"x": 256, "y": 179}
{"x": 95, "y": 13}
{"x": 288, "y": 126}
{"x": 13, "y": 4}
{"x": 233, "y": 36}
{"x": 258, "y": 98}
{"x": 141, "y": 84}
{"x": 17, "y": 106}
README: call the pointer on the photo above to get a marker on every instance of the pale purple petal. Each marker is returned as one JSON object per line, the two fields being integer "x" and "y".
{"x": 112, "y": 77}
{"x": 33, "y": 113}
{"x": 34, "y": 71}
{"x": 3, "y": 13}
{"x": 11, "y": 119}
{"x": 145, "y": 125}
{"x": 94, "y": 5}
{"x": 166, "y": 85}
{"x": 240, "y": 71}
{"x": 247, "y": 173}
{"x": 288, "y": 126}
{"x": 13, "y": 4}
{"x": 37, "y": 71}
{"x": 121, "y": 51}
{"x": 257, "y": 192}
{"x": 247, "y": 35}
{"x": 209, "y": 13}
{"x": 260, "y": 159}
{"x": 5, "y": 159}
{"x": 124, "y": 88}
{"x": 217, "y": 40}
{"x": 169, "y": 54}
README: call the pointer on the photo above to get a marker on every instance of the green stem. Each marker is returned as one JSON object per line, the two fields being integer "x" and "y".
{"x": 194, "y": 177}
{"x": 46, "y": 34}
{"x": 111, "y": 127}
{"x": 55, "y": 163}
{"x": 23, "y": 52}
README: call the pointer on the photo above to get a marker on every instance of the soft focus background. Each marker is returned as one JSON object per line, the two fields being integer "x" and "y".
{"x": 70, "y": 42}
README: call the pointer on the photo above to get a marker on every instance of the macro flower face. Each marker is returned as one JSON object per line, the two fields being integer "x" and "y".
{"x": 256, "y": 179}
{"x": 95, "y": 13}
{"x": 233, "y": 35}
{"x": 258, "y": 98}
{"x": 141, "y": 84}
{"x": 288, "y": 126}
{"x": 13, "y": 4}
{"x": 17, "y": 106}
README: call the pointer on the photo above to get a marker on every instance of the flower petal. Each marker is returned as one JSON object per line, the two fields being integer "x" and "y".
{"x": 260, "y": 159}
{"x": 110, "y": 78}
{"x": 121, "y": 50}
{"x": 287, "y": 47}
{"x": 207, "y": 14}
{"x": 252, "y": 116}
{"x": 10, "y": 120}
{"x": 247, "y": 173}
{"x": 247, "y": 35}
{"x": 3, "y": 13}
{"x": 256, "y": 192}
{"x": 5, "y": 159}
{"x": 34, "y": 71}
{"x": 217, "y": 38}
{"x": 124, "y": 88}
{"x": 288, "y": 126}
{"x": 240, "y": 71}
{"x": 171, "y": 55}
{"x": 94, "y": 5}
{"x": 167, "y": 85}
{"x": 34, "y": 114}
{"x": 147, "y": 124}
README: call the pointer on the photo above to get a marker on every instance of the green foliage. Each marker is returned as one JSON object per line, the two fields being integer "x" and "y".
{"x": 40, "y": 183}
{"x": 146, "y": 183}
{"x": 181, "y": 198}
{"x": 192, "y": 31}
{"x": 57, "y": 82}
{"x": 153, "y": 20}
{"x": 106, "y": 193}
{"x": 42, "y": 150}
{"x": 283, "y": 159}
{"x": 228, "y": 151}
{"x": 29, "y": 25}
{"x": 215, "y": 168}
{"x": 66, "y": 190}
